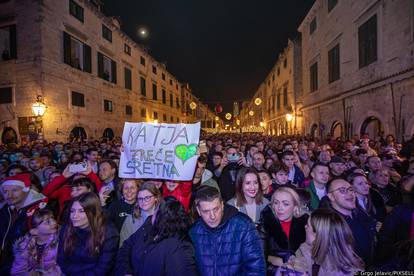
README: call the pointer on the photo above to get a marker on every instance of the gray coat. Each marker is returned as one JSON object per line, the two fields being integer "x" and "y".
{"x": 130, "y": 226}
{"x": 242, "y": 209}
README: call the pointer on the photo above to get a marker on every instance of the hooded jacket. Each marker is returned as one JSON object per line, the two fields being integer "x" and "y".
{"x": 232, "y": 248}
{"x": 207, "y": 179}
{"x": 13, "y": 227}
{"x": 182, "y": 193}
{"x": 26, "y": 251}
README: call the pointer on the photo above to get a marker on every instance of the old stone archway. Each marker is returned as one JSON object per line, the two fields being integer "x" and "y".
{"x": 372, "y": 126}
{"x": 337, "y": 130}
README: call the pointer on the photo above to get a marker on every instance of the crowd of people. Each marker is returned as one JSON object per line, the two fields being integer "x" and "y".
{"x": 257, "y": 205}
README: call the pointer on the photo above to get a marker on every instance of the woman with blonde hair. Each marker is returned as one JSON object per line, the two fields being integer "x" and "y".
{"x": 148, "y": 199}
{"x": 329, "y": 247}
{"x": 120, "y": 208}
{"x": 282, "y": 225}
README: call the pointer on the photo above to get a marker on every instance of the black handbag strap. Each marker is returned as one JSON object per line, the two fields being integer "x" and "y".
{"x": 315, "y": 269}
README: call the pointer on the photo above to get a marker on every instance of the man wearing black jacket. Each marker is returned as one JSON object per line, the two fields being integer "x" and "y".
{"x": 342, "y": 198}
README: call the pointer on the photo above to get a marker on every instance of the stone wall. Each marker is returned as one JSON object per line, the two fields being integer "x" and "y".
{"x": 367, "y": 91}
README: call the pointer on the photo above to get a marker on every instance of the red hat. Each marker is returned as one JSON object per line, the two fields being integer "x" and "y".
{"x": 20, "y": 180}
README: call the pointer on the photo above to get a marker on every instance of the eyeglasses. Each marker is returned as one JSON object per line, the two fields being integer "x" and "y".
{"x": 144, "y": 199}
{"x": 48, "y": 221}
{"x": 344, "y": 190}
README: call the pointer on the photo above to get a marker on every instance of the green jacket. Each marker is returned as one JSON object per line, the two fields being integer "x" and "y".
{"x": 314, "y": 202}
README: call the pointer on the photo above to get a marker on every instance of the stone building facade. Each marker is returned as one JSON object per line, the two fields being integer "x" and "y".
{"x": 280, "y": 94}
{"x": 358, "y": 68}
{"x": 91, "y": 76}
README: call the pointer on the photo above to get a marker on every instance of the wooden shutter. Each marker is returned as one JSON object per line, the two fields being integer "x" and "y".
{"x": 66, "y": 48}
{"x": 100, "y": 65}
{"x": 13, "y": 41}
{"x": 113, "y": 67}
{"x": 87, "y": 58}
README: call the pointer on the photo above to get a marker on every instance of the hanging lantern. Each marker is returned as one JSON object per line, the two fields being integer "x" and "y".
{"x": 218, "y": 109}
{"x": 228, "y": 116}
{"x": 39, "y": 108}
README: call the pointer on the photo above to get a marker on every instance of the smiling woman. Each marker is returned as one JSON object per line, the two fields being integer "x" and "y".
{"x": 249, "y": 194}
{"x": 282, "y": 225}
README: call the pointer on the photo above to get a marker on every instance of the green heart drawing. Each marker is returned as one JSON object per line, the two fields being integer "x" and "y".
{"x": 185, "y": 152}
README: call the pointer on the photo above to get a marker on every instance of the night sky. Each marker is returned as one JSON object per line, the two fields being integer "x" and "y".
{"x": 224, "y": 49}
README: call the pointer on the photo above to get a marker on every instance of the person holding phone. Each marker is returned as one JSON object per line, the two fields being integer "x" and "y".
{"x": 227, "y": 179}
{"x": 62, "y": 189}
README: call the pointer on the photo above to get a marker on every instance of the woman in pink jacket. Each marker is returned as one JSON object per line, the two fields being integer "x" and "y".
{"x": 36, "y": 252}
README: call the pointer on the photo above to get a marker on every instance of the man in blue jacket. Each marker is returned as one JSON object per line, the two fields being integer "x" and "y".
{"x": 226, "y": 241}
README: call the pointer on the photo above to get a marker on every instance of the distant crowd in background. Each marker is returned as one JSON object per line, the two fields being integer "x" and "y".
{"x": 257, "y": 205}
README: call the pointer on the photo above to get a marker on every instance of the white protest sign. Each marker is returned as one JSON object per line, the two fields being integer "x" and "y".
{"x": 163, "y": 151}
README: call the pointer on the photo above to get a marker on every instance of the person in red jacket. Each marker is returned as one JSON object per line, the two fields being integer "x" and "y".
{"x": 60, "y": 187}
{"x": 181, "y": 190}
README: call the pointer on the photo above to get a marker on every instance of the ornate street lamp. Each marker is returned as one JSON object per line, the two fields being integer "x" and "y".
{"x": 39, "y": 108}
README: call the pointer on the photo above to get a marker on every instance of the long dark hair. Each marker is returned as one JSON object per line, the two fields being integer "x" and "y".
{"x": 171, "y": 220}
{"x": 241, "y": 175}
{"x": 92, "y": 207}
{"x": 85, "y": 182}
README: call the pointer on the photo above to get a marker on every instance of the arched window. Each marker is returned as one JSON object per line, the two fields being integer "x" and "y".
{"x": 77, "y": 133}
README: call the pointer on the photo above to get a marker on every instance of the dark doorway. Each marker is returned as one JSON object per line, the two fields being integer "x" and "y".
{"x": 77, "y": 134}
{"x": 108, "y": 134}
{"x": 372, "y": 126}
{"x": 314, "y": 131}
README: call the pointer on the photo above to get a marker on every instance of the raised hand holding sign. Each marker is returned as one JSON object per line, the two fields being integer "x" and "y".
{"x": 163, "y": 151}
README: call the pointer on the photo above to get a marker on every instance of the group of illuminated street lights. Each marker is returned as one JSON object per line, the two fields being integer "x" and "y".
{"x": 258, "y": 101}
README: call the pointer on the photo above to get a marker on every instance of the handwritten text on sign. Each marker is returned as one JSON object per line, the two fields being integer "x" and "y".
{"x": 164, "y": 151}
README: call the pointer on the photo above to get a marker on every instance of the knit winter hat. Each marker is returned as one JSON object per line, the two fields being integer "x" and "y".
{"x": 20, "y": 180}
